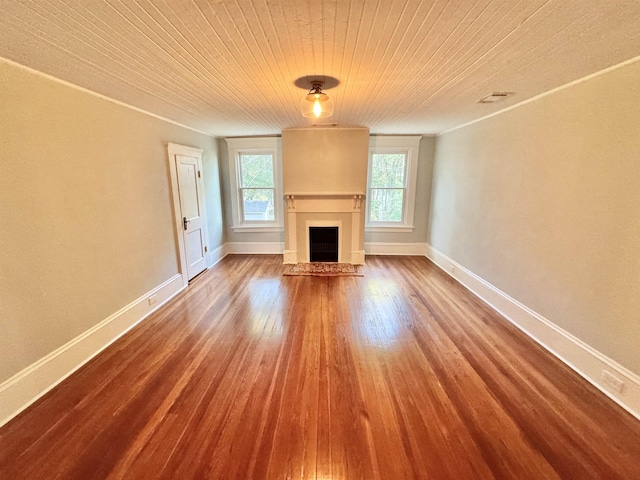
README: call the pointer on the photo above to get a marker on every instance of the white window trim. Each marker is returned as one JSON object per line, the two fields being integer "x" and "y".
{"x": 238, "y": 146}
{"x": 396, "y": 144}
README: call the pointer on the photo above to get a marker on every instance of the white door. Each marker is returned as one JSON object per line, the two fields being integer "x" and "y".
{"x": 191, "y": 208}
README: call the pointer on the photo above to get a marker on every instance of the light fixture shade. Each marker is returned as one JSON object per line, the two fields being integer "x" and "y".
{"x": 316, "y": 104}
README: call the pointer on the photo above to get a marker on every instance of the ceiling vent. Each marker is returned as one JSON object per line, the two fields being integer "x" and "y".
{"x": 494, "y": 97}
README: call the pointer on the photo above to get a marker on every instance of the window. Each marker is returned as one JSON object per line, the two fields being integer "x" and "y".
{"x": 387, "y": 187}
{"x": 257, "y": 187}
{"x": 254, "y": 165}
{"x": 393, "y": 166}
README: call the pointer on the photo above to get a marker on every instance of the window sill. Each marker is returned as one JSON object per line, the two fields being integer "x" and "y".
{"x": 389, "y": 228}
{"x": 257, "y": 228}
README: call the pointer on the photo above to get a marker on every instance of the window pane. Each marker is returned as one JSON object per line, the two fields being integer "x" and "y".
{"x": 387, "y": 170}
{"x": 257, "y": 171}
{"x": 257, "y": 204}
{"x": 386, "y": 204}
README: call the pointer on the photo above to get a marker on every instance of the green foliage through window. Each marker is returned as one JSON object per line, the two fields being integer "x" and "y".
{"x": 257, "y": 186}
{"x": 257, "y": 171}
{"x": 387, "y": 187}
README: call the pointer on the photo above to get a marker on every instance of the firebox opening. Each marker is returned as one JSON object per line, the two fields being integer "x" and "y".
{"x": 323, "y": 244}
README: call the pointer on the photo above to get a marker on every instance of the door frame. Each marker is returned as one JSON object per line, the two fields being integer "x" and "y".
{"x": 174, "y": 149}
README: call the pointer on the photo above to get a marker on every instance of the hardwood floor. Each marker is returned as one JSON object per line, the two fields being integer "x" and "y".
{"x": 250, "y": 374}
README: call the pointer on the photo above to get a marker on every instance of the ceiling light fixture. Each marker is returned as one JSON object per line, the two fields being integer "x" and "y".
{"x": 316, "y": 104}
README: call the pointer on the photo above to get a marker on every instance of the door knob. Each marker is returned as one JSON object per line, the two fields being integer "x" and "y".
{"x": 185, "y": 222}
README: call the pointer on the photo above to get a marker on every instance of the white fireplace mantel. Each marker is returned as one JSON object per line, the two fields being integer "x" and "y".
{"x": 324, "y": 203}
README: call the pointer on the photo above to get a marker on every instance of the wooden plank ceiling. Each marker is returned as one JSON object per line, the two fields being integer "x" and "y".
{"x": 228, "y": 67}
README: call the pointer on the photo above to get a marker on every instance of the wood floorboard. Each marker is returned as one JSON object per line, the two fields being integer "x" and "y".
{"x": 249, "y": 374}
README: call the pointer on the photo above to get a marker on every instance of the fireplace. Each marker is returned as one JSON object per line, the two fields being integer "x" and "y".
{"x": 341, "y": 211}
{"x": 323, "y": 244}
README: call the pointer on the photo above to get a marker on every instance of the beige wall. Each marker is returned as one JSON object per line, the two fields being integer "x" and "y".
{"x": 325, "y": 159}
{"x": 85, "y": 209}
{"x": 543, "y": 201}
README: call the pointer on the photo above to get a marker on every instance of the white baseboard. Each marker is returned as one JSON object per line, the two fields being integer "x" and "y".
{"x": 382, "y": 248}
{"x": 254, "y": 247}
{"x": 28, "y": 385}
{"x": 582, "y": 358}
{"x": 215, "y": 255}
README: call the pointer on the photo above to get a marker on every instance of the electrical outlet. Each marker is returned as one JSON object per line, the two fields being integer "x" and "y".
{"x": 153, "y": 299}
{"x": 614, "y": 383}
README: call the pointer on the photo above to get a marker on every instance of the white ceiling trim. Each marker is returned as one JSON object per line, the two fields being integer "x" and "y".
{"x": 546, "y": 94}
{"x": 100, "y": 96}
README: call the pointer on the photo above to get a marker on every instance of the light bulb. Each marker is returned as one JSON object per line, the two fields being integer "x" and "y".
{"x": 316, "y": 104}
{"x": 317, "y": 108}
